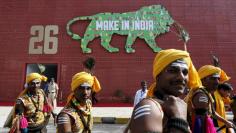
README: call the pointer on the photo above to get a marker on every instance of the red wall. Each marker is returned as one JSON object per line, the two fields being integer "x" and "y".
{"x": 211, "y": 25}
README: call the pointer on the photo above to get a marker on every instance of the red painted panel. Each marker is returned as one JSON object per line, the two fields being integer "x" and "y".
{"x": 211, "y": 25}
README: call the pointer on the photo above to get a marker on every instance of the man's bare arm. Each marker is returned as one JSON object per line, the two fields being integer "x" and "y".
{"x": 200, "y": 101}
{"x": 64, "y": 123}
{"x": 227, "y": 123}
{"x": 146, "y": 117}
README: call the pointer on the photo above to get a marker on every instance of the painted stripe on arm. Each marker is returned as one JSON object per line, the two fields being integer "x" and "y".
{"x": 142, "y": 111}
{"x": 62, "y": 120}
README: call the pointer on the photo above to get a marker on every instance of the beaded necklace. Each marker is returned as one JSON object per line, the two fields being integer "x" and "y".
{"x": 35, "y": 102}
{"x": 85, "y": 110}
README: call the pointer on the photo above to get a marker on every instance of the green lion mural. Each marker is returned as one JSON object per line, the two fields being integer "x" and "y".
{"x": 147, "y": 23}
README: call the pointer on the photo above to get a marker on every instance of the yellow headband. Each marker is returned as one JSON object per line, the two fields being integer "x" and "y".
{"x": 164, "y": 58}
{"x": 33, "y": 76}
{"x": 84, "y": 77}
{"x": 207, "y": 70}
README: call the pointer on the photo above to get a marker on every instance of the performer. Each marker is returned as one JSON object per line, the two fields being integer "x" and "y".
{"x": 76, "y": 116}
{"x": 201, "y": 104}
{"x": 164, "y": 111}
{"x": 89, "y": 65}
{"x": 31, "y": 111}
{"x": 221, "y": 97}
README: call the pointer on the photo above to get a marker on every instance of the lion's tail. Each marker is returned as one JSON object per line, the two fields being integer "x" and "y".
{"x": 69, "y": 31}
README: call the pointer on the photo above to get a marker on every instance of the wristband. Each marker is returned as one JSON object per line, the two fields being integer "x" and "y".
{"x": 178, "y": 123}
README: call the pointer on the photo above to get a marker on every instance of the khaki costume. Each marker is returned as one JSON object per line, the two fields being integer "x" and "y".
{"x": 78, "y": 126}
{"x": 34, "y": 112}
{"x": 36, "y": 109}
{"x": 80, "y": 116}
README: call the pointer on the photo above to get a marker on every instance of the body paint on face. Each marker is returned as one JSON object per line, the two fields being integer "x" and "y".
{"x": 174, "y": 78}
{"x": 215, "y": 75}
{"x": 34, "y": 84}
{"x": 85, "y": 84}
{"x": 36, "y": 81}
{"x": 179, "y": 63}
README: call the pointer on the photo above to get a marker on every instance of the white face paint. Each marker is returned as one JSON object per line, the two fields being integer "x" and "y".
{"x": 34, "y": 83}
{"x": 36, "y": 80}
{"x": 85, "y": 84}
{"x": 180, "y": 64}
{"x": 215, "y": 75}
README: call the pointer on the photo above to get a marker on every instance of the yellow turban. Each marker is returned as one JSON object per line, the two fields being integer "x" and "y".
{"x": 207, "y": 70}
{"x": 33, "y": 76}
{"x": 30, "y": 77}
{"x": 84, "y": 77}
{"x": 164, "y": 58}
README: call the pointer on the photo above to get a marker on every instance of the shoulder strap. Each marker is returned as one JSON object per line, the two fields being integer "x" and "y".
{"x": 44, "y": 95}
{"x": 86, "y": 125}
{"x": 37, "y": 108}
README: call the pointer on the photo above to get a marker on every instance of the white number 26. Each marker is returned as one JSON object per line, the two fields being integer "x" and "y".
{"x": 43, "y": 40}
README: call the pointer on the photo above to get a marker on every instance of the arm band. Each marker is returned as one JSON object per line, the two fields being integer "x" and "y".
{"x": 178, "y": 123}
